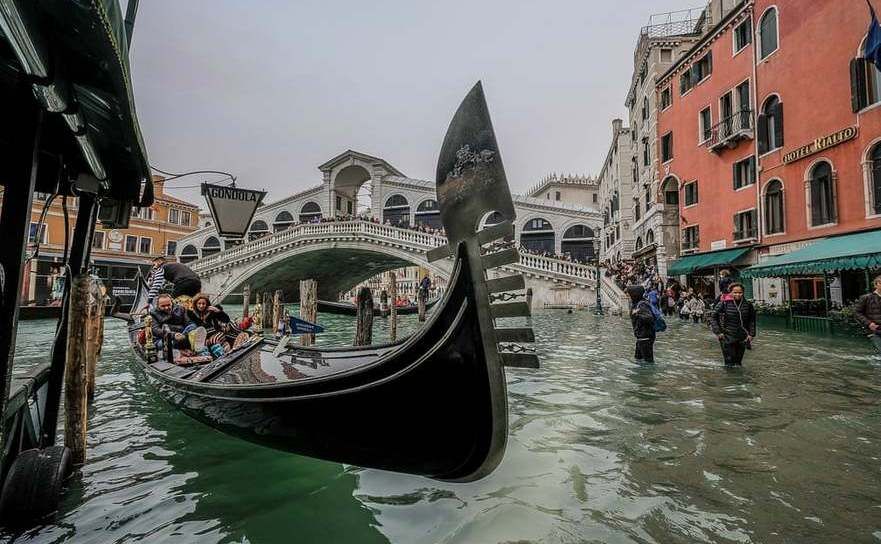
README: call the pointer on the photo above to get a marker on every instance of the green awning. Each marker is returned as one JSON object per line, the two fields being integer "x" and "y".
{"x": 689, "y": 264}
{"x": 855, "y": 251}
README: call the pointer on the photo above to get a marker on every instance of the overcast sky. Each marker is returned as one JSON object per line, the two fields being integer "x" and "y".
{"x": 270, "y": 89}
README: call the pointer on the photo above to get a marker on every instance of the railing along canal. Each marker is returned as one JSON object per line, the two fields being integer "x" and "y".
{"x": 414, "y": 240}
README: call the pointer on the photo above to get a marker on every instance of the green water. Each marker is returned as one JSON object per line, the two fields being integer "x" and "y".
{"x": 600, "y": 450}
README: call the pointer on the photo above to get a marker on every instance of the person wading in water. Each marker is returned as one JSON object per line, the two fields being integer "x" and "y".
{"x": 643, "y": 320}
{"x": 868, "y": 312}
{"x": 733, "y": 321}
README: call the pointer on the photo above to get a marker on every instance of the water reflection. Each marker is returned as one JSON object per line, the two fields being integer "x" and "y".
{"x": 600, "y": 450}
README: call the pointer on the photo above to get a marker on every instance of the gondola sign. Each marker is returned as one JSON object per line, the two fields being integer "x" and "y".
{"x": 301, "y": 326}
{"x": 232, "y": 208}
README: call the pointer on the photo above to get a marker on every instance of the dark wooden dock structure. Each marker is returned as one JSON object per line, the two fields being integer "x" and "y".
{"x": 70, "y": 131}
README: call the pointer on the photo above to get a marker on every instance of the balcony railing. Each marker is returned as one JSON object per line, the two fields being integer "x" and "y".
{"x": 743, "y": 235}
{"x": 731, "y": 130}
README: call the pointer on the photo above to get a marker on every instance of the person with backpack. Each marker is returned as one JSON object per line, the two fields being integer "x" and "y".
{"x": 643, "y": 321}
{"x": 733, "y": 321}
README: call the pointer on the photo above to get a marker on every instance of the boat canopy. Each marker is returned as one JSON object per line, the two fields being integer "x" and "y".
{"x": 700, "y": 261}
{"x": 857, "y": 251}
{"x": 73, "y": 59}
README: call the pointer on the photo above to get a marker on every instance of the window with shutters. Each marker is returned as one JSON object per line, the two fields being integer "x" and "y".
{"x": 646, "y": 153}
{"x": 699, "y": 71}
{"x": 744, "y": 172}
{"x": 705, "y": 120}
{"x": 770, "y": 125}
{"x": 690, "y": 193}
{"x": 774, "y": 207}
{"x": 637, "y": 210}
{"x": 821, "y": 195}
{"x": 742, "y": 36}
{"x": 648, "y": 198}
{"x": 745, "y": 225}
{"x": 768, "y": 33}
{"x": 666, "y": 98}
{"x": 667, "y": 147}
{"x": 865, "y": 82}
{"x": 691, "y": 237}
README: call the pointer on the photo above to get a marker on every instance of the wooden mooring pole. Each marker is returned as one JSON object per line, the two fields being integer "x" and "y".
{"x": 421, "y": 295}
{"x": 95, "y": 331}
{"x": 364, "y": 326}
{"x": 246, "y": 299}
{"x": 76, "y": 381}
{"x": 393, "y": 308}
{"x": 268, "y": 319}
{"x": 308, "y": 307}
{"x": 277, "y": 313}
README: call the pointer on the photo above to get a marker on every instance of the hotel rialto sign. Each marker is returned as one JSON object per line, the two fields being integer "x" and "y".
{"x": 821, "y": 144}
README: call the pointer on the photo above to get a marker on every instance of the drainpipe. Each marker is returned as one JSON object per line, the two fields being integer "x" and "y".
{"x": 754, "y": 99}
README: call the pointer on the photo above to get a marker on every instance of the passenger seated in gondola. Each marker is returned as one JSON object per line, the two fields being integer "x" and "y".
{"x": 171, "y": 328}
{"x": 217, "y": 323}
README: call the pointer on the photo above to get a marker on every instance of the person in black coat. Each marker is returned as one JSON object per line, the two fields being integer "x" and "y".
{"x": 643, "y": 321}
{"x": 733, "y": 321}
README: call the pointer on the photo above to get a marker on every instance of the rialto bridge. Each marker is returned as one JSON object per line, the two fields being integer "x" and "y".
{"x": 288, "y": 240}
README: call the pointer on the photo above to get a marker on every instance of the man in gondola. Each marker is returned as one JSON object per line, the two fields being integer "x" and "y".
{"x": 185, "y": 281}
{"x": 171, "y": 327}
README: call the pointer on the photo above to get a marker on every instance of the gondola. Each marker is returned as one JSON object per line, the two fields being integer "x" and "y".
{"x": 344, "y": 308}
{"x": 433, "y": 404}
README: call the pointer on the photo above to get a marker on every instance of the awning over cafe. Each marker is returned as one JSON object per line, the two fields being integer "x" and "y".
{"x": 700, "y": 261}
{"x": 855, "y": 251}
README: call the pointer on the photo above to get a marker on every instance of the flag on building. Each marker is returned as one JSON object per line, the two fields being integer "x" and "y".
{"x": 873, "y": 39}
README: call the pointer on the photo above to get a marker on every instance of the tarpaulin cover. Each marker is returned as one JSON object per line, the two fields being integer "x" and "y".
{"x": 689, "y": 264}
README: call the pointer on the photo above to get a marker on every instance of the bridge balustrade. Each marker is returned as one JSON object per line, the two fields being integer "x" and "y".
{"x": 419, "y": 241}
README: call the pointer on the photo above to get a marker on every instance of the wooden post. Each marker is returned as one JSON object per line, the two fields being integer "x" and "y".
{"x": 308, "y": 308}
{"x": 529, "y": 304}
{"x": 421, "y": 295}
{"x": 393, "y": 309}
{"x": 95, "y": 330}
{"x": 246, "y": 299}
{"x": 76, "y": 367}
{"x": 258, "y": 316}
{"x": 364, "y": 327}
{"x": 277, "y": 312}
{"x": 268, "y": 319}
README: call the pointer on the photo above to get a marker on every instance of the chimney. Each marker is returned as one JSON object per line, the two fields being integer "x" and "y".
{"x": 158, "y": 185}
{"x": 617, "y": 125}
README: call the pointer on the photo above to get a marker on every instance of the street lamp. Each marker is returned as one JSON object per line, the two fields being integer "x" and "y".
{"x": 598, "y": 309}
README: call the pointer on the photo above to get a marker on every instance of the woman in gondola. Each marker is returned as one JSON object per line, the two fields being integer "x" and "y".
{"x": 217, "y": 323}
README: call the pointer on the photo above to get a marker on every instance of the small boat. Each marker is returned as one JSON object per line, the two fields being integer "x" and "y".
{"x": 344, "y": 308}
{"x": 432, "y": 404}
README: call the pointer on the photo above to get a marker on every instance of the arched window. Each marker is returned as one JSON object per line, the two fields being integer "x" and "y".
{"x": 770, "y": 125}
{"x": 671, "y": 191}
{"x": 310, "y": 212}
{"x": 774, "y": 207}
{"x": 578, "y": 242}
{"x": 768, "y": 39}
{"x": 428, "y": 214}
{"x": 283, "y": 221}
{"x": 258, "y": 229}
{"x": 638, "y": 243}
{"x": 821, "y": 187}
{"x": 875, "y": 181}
{"x": 649, "y": 238}
{"x": 188, "y": 254}
{"x": 538, "y": 235}
{"x": 396, "y": 211}
{"x": 211, "y": 246}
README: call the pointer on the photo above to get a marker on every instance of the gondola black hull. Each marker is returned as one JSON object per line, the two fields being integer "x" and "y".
{"x": 429, "y": 406}
{"x": 344, "y": 308}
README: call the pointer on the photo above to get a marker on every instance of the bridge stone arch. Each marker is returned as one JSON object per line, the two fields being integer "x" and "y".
{"x": 337, "y": 266}
{"x": 345, "y": 174}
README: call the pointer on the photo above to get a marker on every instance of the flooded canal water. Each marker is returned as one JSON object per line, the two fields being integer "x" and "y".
{"x": 788, "y": 449}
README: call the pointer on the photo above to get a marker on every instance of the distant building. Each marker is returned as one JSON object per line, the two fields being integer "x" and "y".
{"x": 570, "y": 189}
{"x": 616, "y": 190}
{"x": 655, "y": 225}
{"x": 117, "y": 255}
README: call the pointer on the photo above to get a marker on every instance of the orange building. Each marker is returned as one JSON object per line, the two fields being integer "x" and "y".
{"x": 116, "y": 254}
{"x": 749, "y": 182}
